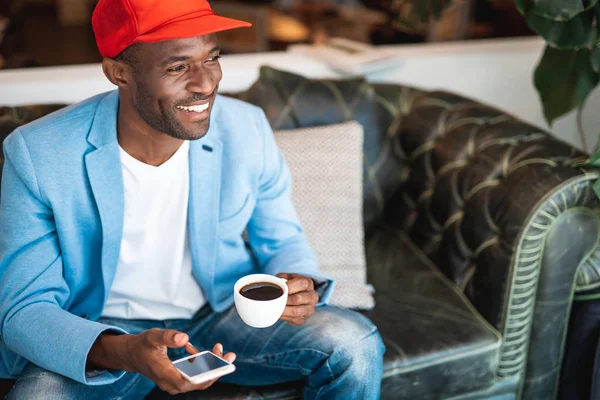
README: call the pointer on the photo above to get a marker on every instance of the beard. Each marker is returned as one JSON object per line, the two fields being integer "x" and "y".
{"x": 165, "y": 119}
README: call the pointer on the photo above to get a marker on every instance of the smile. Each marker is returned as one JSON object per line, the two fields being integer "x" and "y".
{"x": 197, "y": 109}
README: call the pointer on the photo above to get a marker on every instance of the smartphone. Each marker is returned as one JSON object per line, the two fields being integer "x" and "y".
{"x": 202, "y": 367}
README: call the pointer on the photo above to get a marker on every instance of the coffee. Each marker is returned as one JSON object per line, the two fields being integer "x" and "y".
{"x": 261, "y": 291}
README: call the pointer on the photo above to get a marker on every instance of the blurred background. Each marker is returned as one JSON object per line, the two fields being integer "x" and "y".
{"x": 520, "y": 56}
{"x": 58, "y": 32}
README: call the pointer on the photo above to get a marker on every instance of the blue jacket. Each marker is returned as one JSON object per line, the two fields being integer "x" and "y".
{"x": 61, "y": 223}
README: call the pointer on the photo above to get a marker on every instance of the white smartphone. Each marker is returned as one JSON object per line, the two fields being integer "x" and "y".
{"x": 202, "y": 367}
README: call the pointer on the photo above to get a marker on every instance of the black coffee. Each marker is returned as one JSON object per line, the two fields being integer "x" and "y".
{"x": 261, "y": 291}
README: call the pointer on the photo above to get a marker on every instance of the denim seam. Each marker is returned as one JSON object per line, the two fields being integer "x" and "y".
{"x": 34, "y": 375}
{"x": 278, "y": 364}
{"x": 374, "y": 329}
{"x": 11, "y": 390}
{"x": 331, "y": 379}
{"x": 294, "y": 367}
{"x": 269, "y": 355}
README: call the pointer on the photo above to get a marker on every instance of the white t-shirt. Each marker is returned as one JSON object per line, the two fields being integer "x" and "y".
{"x": 154, "y": 278}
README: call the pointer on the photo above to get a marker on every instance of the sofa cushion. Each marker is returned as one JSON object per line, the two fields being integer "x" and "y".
{"x": 438, "y": 345}
{"x": 326, "y": 167}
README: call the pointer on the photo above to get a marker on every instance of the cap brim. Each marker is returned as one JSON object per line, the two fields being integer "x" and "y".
{"x": 191, "y": 28}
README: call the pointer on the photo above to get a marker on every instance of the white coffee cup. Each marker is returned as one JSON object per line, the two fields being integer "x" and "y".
{"x": 260, "y": 313}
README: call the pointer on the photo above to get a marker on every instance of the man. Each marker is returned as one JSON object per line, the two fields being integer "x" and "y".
{"x": 121, "y": 231}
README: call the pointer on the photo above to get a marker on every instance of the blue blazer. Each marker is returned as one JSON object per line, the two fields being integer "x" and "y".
{"x": 61, "y": 223}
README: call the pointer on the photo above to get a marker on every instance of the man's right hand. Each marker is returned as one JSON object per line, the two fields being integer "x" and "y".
{"x": 146, "y": 354}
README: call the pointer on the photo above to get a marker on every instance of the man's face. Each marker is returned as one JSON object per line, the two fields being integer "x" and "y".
{"x": 175, "y": 84}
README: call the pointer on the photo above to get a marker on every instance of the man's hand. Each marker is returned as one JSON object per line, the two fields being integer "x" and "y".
{"x": 146, "y": 354}
{"x": 302, "y": 298}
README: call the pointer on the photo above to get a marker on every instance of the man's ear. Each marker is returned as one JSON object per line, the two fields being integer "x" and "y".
{"x": 117, "y": 72}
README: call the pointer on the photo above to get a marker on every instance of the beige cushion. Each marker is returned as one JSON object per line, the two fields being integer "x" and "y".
{"x": 326, "y": 167}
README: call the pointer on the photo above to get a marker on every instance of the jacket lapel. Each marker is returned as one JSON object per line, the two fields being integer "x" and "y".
{"x": 203, "y": 208}
{"x": 106, "y": 179}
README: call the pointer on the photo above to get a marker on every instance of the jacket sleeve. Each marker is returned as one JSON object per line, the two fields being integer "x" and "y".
{"x": 274, "y": 231}
{"x": 33, "y": 293}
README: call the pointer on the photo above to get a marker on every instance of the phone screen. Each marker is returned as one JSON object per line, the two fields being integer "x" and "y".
{"x": 198, "y": 365}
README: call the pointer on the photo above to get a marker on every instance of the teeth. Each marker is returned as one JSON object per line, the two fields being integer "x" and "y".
{"x": 198, "y": 109}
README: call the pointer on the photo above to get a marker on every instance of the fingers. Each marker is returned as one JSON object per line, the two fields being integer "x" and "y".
{"x": 230, "y": 357}
{"x": 303, "y": 298}
{"x": 297, "y": 315}
{"x": 218, "y": 349}
{"x": 294, "y": 321}
{"x": 191, "y": 349}
{"x": 170, "y": 380}
{"x": 284, "y": 275}
{"x": 167, "y": 337}
{"x": 299, "y": 283}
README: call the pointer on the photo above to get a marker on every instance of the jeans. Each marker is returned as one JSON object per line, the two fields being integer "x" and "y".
{"x": 338, "y": 353}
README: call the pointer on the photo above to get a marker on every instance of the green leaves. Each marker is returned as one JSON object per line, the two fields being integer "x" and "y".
{"x": 597, "y": 188}
{"x": 594, "y": 160}
{"x": 564, "y": 79}
{"x": 521, "y": 5}
{"x": 569, "y": 68}
{"x": 575, "y": 33}
{"x": 559, "y": 10}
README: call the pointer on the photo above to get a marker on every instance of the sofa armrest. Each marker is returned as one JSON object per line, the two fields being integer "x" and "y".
{"x": 493, "y": 202}
{"x": 554, "y": 258}
{"x": 547, "y": 220}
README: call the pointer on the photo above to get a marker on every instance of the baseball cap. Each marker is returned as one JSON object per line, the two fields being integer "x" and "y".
{"x": 118, "y": 24}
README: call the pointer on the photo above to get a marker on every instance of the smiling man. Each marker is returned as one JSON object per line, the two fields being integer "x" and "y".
{"x": 121, "y": 231}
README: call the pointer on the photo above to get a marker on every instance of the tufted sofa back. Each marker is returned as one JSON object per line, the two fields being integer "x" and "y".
{"x": 462, "y": 202}
{"x": 436, "y": 166}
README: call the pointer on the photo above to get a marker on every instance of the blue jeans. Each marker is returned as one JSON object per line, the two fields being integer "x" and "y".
{"x": 338, "y": 353}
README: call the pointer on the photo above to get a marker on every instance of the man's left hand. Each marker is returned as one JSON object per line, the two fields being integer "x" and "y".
{"x": 302, "y": 298}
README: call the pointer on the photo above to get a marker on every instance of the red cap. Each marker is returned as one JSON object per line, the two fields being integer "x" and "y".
{"x": 120, "y": 23}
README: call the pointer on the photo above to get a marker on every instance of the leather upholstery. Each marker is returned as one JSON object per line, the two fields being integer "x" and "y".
{"x": 468, "y": 185}
{"x": 562, "y": 236}
{"x": 438, "y": 345}
{"x": 478, "y": 229}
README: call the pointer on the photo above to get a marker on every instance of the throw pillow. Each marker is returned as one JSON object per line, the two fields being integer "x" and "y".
{"x": 326, "y": 167}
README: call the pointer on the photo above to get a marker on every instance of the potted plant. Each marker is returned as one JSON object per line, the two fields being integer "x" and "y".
{"x": 569, "y": 69}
